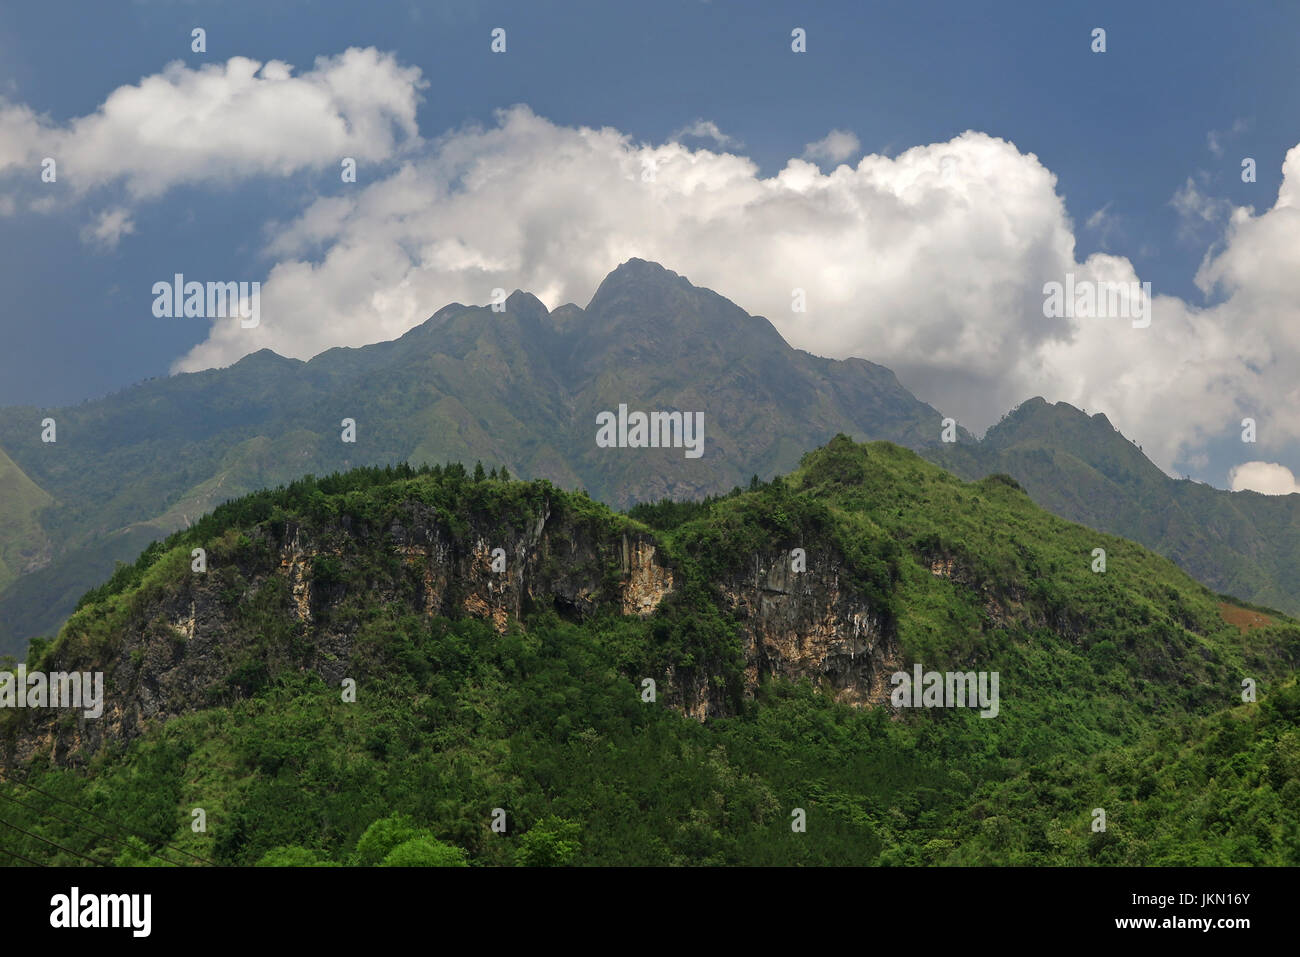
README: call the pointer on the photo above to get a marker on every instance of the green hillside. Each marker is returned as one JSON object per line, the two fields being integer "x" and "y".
{"x": 23, "y": 543}
{"x": 1082, "y": 468}
{"x": 523, "y": 690}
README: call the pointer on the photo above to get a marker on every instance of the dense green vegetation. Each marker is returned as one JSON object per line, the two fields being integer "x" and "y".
{"x": 1119, "y": 691}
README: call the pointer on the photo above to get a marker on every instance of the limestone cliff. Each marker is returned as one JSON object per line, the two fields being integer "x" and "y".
{"x": 189, "y": 642}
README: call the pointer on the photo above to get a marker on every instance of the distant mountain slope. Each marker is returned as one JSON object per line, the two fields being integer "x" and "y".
{"x": 524, "y": 686}
{"x": 24, "y": 546}
{"x": 520, "y": 387}
{"x": 1083, "y": 469}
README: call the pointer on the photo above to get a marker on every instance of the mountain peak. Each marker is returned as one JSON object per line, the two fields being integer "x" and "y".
{"x": 525, "y": 303}
{"x": 639, "y": 278}
{"x": 263, "y": 357}
{"x": 643, "y": 267}
{"x": 1061, "y": 414}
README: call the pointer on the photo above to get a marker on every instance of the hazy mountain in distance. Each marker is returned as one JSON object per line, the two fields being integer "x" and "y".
{"x": 1082, "y": 468}
{"x": 520, "y": 388}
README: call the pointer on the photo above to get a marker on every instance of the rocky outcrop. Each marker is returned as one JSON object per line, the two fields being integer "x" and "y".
{"x": 806, "y": 624}
{"x": 190, "y": 646}
{"x": 203, "y": 640}
{"x": 796, "y": 625}
{"x": 647, "y": 582}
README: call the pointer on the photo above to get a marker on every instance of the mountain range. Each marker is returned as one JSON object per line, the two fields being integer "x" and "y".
{"x": 522, "y": 386}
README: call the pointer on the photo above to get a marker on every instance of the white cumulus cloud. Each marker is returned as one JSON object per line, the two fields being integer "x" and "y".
{"x": 223, "y": 122}
{"x": 1266, "y": 477}
{"x": 836, "y": 146}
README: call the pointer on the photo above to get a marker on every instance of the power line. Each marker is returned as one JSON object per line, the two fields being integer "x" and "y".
{"x": 107, "y": 837}
{"x": 52, "y": 844}
{"x": 98, "y": 817}
{"x": 26, "y": 860}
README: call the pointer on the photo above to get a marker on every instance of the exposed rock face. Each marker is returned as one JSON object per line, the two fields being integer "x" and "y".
{"x": 647, "y": 581}
{"x": 803, "y": 624}
{"x": 942, "y": 567}
{"x": 798, "y": 625}
{"x": 191, "y": 645}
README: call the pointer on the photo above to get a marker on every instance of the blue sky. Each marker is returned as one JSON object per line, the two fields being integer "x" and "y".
{"x": 1181, "y": 94}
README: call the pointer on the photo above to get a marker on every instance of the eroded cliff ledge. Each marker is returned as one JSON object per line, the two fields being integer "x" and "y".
{"x": 294, "y": 597}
